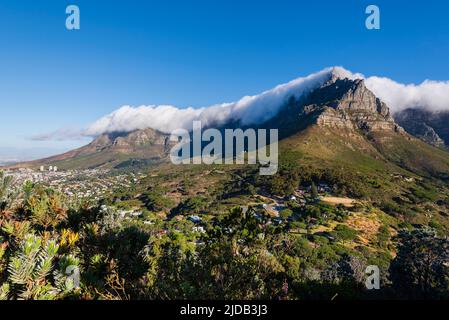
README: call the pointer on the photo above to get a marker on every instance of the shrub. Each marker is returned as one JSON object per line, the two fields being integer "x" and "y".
{"x": 30, "y": 267}
{"x": 344, "y": 233}
{"x": 285, "y": 213}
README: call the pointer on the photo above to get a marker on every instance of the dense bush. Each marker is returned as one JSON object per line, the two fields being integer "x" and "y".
{"x": 421, "y": 268}
{"x": 238, "y": 255}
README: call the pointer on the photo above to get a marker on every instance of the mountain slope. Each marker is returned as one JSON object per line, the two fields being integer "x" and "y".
{"x": 346, "y": 110}
{"x": 429, "y": 126}
{"x": 110, "y": 150}
{"x": 349, "y": 124}
{"x": 343, "y": 132}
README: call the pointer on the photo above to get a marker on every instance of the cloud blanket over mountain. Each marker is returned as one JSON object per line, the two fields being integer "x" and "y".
{"x": 431, "y": 95}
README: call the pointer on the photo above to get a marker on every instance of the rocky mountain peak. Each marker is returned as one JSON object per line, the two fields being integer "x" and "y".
{"x": 343, "y": 102}
{"x": 339, "y": 73}
{"x": 134, "y": 139}
{"x": 348, "y": 103}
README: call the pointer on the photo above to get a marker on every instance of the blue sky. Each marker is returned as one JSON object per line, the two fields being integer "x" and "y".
{"x": 193, "y": 53}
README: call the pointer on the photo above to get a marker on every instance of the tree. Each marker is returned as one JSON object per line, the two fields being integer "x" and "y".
{"x": 314, "y": 191}
{"x": 169, "y": 273}
{"x": 383, "y": 236}
{"x": 421, "y": 267}
{"x": 193, "y": 205}
{"x": 237, "y": 262}
{"x": 286, "y": 213}
{"x": 344, "y": 233}
{"x": 352, "y": 268}
{"x": 349, "y": 268}
{"x": 156, "y": 201}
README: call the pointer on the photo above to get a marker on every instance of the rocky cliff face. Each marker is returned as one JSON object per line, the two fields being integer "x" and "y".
{"x": 111, "y": 149}
{"x": 129, "y": 141}
{"x": 431, "y": 127}
{"x": 340, "y": 103}
{"x": 346, "y": 103}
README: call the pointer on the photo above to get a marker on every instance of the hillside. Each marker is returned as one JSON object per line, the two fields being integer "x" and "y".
{"x": 339, "y": 124}
{"x": 430, "y": 126}
{"x": 110, "y": 150}
{"x": 353, "y": 189}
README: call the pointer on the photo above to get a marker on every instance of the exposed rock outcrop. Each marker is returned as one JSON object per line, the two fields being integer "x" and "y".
{"x": 349, "y": 104}
{"x": 106, "y": 148}
{"x": 341, "y": 103}
{"x": 431, "y": 127}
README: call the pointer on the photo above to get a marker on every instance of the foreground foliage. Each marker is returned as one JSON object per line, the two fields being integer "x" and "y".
{"x": 51, "y": 249}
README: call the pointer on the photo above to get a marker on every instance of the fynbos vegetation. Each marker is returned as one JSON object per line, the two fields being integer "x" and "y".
{"x": 302, "y": 247}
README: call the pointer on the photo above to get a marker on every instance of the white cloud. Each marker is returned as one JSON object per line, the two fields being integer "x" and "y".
{"x": 249, "y": 109}
{"x": 63, "y": 134}
{"x": 432, "y": 95}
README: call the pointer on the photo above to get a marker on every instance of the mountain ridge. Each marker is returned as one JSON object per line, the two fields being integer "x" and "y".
{"x": 147, "y": 143}
{"x": 429, "y": 126}
{"x": 341, "y": 103}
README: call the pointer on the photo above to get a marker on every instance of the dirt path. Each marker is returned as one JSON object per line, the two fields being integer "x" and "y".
{"x": 335, "y": 200}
